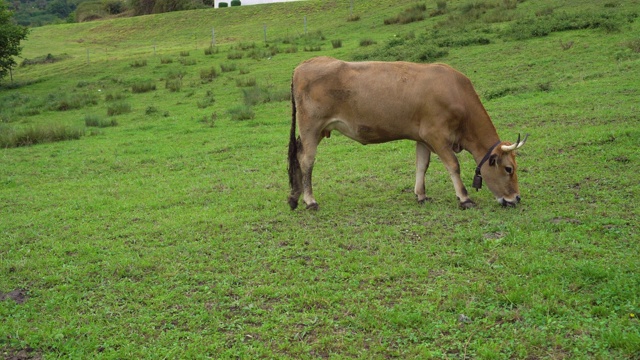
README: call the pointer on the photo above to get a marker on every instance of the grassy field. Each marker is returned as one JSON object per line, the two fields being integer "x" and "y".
{"x": 160, "y": 228}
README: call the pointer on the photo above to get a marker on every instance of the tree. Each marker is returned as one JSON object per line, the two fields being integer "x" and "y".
{"x": 10, "y": 36}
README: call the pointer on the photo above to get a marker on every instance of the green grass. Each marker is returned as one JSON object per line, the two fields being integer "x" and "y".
{"x": 169, "y": 235}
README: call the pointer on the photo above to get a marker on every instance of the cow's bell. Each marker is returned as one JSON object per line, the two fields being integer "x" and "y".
{"x": 477, "y": 182}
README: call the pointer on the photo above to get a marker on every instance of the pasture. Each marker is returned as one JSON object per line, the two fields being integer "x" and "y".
{"x": 162, "y": 229}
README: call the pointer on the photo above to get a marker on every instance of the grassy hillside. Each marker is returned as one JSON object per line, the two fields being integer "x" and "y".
{"x": 160, "y": 228}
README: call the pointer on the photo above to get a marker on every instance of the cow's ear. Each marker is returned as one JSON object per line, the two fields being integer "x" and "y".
{"x": 493, "y": 159}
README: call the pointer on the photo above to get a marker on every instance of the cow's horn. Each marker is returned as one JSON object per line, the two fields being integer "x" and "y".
{"x": 517, "y": 145}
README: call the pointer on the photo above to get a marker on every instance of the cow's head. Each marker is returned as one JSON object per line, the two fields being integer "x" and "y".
{"x": 500, "y": 172}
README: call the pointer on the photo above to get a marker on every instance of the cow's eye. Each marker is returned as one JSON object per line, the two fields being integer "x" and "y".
{"x": 508, "y": 169}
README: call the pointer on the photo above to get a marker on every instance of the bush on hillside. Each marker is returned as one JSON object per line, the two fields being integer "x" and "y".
{"x": 235, "y": 3}
{"x": 223, "y": 5}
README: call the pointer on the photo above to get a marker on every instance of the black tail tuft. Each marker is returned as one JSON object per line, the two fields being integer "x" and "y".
{"x": 294, "y": 147}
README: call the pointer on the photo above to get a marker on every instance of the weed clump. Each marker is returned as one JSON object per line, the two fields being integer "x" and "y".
{"x": 118, "y": 108}
{"x": 408, "y": 48}
{"x": 228, "y": 67}
{"x": 367, "y": 42}
{"x": 211, "y": 50}
{"x": 143, "y": 87}
{"x": 48, "y": 59}
{"x": 246, "y": 82}
{"x": 207, "y": 75}
{"x": 412, "y": 14}
{"x": 544, "y": 25}
{"x": 97, "y": 121}
{"x": 74, "y": 101}
{"x": 138, "y": 63}
{"x": 16, "y": 137}
{"x": 241, "y": 112}
{"x": 262, "y": 95}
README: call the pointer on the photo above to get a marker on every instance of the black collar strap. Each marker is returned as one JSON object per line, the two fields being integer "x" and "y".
{"x": 477, "y": 179}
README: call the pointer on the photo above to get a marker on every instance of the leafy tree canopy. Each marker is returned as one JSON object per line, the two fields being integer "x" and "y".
{"x": 10, "y": 36}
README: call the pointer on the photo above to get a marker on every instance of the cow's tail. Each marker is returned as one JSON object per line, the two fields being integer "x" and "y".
{"x": 294, "y": 147}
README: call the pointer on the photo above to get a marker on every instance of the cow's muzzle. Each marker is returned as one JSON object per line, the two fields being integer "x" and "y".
{"x": 506, "y": 203}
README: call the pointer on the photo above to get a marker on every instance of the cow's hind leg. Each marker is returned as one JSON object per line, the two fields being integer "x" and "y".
{"x": 423, "y": 157}
{"x": 307, "y": 158}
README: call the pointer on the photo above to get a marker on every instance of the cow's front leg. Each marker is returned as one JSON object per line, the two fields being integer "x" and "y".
{"x": 453, "y": 166}
{"x": 423, "y": 157}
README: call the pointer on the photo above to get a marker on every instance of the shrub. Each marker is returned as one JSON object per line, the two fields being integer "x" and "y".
{"x": 235, "y": 3}
{"x": 336, "y": 44}
{"x": 228, "y": 67}
{"x": 312, "y": 48}
{"x": 166, "y": 60}
{"x": 118, "y": 108}
{"x": 97, "y": 121}
{"x": 207, "y": 75}
{"x": 143, "y": 87}
{"x": 114, "y": 7}
{"x": 138, "y": 63}
{"x": 241, "y": 112}
{"x": 184, "y": 53}
{"x": 151, "y": 110}
{"x": 223, "y": 4}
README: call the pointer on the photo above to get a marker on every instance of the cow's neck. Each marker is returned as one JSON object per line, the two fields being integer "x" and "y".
{"x": 482, "y": 136}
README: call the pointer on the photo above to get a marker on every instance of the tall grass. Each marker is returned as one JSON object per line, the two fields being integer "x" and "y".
{"x": 143, "y": 87}
{"x": 98, "y": 121}
{"x": 64, "y": 101}
{"x": 12, "y": 136}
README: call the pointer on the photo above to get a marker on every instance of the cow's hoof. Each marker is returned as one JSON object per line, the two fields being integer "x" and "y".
{"x": 468, "y": 204}
{"x": 313, "y": 206}
{"x": 293, "y": 203}
{"x": 424, "y": 201}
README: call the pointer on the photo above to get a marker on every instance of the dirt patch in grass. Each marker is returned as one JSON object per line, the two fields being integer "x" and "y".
{"x": 17, "y": 295}
{"x": 27, "y": 353}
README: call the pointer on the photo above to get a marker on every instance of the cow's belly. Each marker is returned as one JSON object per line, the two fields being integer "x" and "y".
{"x": 365, "y": 132}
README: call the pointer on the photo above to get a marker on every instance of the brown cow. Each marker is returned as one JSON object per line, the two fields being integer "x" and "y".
{"x": 375, "y": 102}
